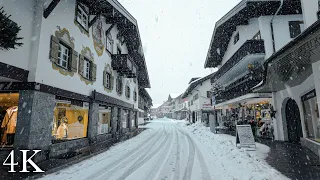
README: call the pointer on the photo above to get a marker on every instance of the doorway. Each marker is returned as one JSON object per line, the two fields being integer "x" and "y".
{"x": 193, "y": 117}
{"x": 293, "y": 121}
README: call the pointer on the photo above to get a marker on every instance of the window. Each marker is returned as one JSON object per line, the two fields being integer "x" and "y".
{"x": 311, "y": 115}
{"x": 104, "y": 123}
{"x": 86, "y": 68}
{"x": 191, "y": 102}
{"x": 82, "y": 16}
{"x": 63, "y": 56}
{"x": 119, "y": 85}
{"x": 209, "y": 94}
{"x": 295, "y": 28}
{"x": 236, "y": 38}
{"x": 127, "y": 92}
{"x": 118, "y": 50}
{"x": 70, "y": 120}
{"x": 109, "y": 43}
{"x": 195, "y": 97}
{"x": 135, "y": 96}
{"x": 108, "y": 80}
{"x": 257, "y": 36}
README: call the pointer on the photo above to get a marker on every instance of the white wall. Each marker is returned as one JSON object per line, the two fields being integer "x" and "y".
{"x": 246, "y": 32}
{"x": 201, "y": 90}
{"x": 280, "y": 29}
{"x": 47, "y": 75}
{"x": 279, "y": 102}
{"x": 22, "y": 12}
{"x": 309, "y": 9}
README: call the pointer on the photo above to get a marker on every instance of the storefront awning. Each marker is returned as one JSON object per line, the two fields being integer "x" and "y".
{"x": 246, "y": 99}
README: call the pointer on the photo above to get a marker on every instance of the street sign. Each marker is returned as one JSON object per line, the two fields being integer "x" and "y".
{"x": 244, "y": 136}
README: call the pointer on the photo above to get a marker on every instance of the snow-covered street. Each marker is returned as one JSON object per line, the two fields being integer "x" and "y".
{"x": 170, "y": 149}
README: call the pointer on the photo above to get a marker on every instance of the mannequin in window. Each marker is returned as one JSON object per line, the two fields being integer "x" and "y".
{"x": 62, "y": 132}
{"x": 9, "y": 125}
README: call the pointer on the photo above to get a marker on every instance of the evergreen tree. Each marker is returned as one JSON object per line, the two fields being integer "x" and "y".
{"x": 8, "y": 32}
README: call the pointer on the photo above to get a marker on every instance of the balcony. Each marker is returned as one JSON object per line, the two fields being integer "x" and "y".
{"x": 251, "y": 51}
{"x": 124, "y": 65}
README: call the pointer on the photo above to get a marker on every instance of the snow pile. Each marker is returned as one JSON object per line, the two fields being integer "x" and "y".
{"x": 233, "y": 163}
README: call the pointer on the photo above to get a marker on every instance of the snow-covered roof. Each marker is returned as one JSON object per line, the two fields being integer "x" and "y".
{"x": 195, "y": 83}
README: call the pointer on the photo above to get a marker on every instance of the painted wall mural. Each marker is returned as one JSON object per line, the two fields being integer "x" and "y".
{"x": 98, "y": 37}
{"x": 63, "y": 36}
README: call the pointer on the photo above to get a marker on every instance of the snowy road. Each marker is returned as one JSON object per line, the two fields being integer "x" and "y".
{"x": 171, "y": 150}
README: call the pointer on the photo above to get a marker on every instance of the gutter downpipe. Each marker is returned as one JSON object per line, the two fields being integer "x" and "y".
{"x": 271, "y": 24}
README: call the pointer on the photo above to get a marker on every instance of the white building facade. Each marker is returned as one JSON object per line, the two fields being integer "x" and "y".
{"x": 76, "y": 77}
{"x": 198, "y": 97}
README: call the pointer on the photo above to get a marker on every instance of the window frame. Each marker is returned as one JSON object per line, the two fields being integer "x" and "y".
{"x": 60, "y": 55}
{"x": 108, "y": 80}
{"x": 109, "y": 39}
{"x": 128, "y": 92}
{"x": 236, "y": 38}
{"x": 84, "y": 12}
{"x": 119, "y": 85}
{"x": 87, "y": 68}
{"x": 292, "y": 26}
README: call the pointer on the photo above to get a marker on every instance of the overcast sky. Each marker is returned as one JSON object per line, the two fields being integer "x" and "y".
{"x": 176, "y": 35}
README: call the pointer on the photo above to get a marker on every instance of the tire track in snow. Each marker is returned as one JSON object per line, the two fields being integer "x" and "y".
{"x": 164, "y": 158}
{"x": 144, "y": 158}
{"x": 203, "y": 165}
{"x": 177, "y": 165}
{"x": 188, "y": 170}
{"x": 144, "y": 146}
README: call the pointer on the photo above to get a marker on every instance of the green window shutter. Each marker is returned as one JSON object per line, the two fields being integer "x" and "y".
{"x": 104, "y": 78}
{"x": 54, "y": 49}
{"x": 81, "y": 65}
{"x": 74, "y": 61}
{"x": 111, "y": 82}
{"x": 93, "y": 71}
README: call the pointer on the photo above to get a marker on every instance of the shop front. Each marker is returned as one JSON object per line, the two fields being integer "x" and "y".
{"x": 311, "y": 116}
{"x": 70, "y": 120}
{"x": 8, "y": 118}
{"x": 253, "y": 109}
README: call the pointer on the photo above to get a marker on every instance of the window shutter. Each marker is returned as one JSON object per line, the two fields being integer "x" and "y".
{"x": 104, "y": 78}
{"x": 54, "y": 49}
{"x": 93, "y": 71}
{"x": 74, "y": 61}
{"x": 81, "y": 65}
{"x": 111, "y": 82}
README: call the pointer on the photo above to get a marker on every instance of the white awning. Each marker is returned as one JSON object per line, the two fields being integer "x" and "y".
{"x": 247, "y": 99}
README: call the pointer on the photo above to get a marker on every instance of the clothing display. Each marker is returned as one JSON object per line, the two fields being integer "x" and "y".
{"x": 62, "y": 131}
{"x": 75, "y": 130}
{"x": 9, "y": 125}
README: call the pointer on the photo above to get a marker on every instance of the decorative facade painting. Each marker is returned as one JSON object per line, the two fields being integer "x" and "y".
{"x": 66, "y": 65}
{"x": 98, "y": 37}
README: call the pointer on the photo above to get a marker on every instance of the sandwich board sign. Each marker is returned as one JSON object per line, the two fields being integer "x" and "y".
{"x": 244, "y": 136}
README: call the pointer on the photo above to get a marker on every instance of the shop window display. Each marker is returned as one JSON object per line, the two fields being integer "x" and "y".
{"x": 70, "y": 121}
{"x": 311, "y": 116}
{"x": 8, "y": 117}
{"x": 125, "y": 123}
{"x": 104, "y": 123}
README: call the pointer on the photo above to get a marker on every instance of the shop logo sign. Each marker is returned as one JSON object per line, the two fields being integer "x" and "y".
{"x": 24, "y": 162}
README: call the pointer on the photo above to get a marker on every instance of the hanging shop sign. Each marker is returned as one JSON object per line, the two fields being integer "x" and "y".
{"x": 244, "y": 136}
{"x": 98, "y": 37}
{"x": 207, "y": 106}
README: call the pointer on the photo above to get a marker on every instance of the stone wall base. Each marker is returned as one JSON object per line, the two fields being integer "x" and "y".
{"x": 312, "y": 145}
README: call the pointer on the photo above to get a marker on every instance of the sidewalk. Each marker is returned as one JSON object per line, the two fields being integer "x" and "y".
{"x": 293, "y": 160}
{"x": 53, "y": 165}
